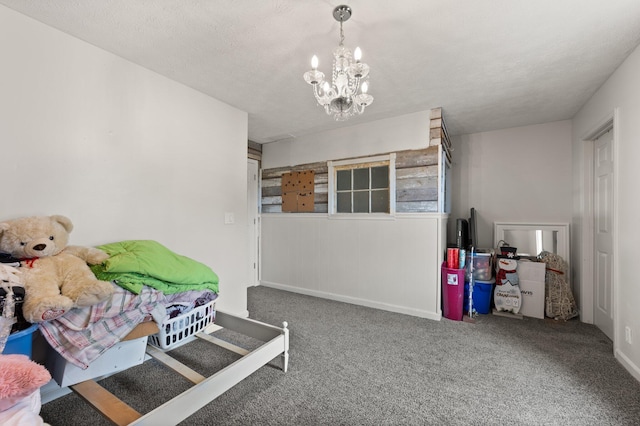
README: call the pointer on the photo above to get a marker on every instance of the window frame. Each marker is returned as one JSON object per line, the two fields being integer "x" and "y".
{"x": 363, "y": 162}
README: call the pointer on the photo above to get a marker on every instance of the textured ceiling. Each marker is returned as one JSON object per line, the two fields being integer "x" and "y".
{"x": 490, "y": 64}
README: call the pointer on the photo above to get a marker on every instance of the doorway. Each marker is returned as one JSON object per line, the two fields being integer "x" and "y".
{"x": 603, "y": 231}
{"x": 253, "y": 222}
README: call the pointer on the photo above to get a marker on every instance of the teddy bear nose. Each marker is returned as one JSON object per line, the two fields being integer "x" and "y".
{"x": 39, "y": 247}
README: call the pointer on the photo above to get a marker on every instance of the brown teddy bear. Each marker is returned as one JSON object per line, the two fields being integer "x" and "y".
{"x": 56, "y": 277}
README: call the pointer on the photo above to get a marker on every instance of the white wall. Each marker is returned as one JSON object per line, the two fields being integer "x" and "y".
{"x": 390, "y": 264}
{"x": 621, "y": 93}
{"x": 122, "y": 151}
{"x": 514, "y": 175}
{"x": 409, "y": 131}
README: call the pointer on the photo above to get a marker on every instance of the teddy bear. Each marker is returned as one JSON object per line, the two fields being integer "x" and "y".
{"x": 56, "y": 277}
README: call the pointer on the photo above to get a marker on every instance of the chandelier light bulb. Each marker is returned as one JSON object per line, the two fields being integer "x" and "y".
{"x": 339, "y": 96}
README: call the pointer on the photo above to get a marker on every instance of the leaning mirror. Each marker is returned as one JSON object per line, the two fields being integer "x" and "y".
{"x": 532, "y": 238}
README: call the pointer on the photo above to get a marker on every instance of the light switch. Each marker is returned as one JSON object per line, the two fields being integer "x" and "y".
{"x": 229, "y": 218}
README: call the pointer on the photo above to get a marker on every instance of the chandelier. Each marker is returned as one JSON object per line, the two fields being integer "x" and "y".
{"x": 347, "y": 94}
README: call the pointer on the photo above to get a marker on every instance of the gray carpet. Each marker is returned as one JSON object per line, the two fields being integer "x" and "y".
{"x": 352, "y": 365}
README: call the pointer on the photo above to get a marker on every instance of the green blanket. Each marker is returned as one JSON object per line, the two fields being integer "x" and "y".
{"x": 135, "y": 263}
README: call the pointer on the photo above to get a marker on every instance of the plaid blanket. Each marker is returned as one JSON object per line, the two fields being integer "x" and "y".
{"x": 83, "y": 334}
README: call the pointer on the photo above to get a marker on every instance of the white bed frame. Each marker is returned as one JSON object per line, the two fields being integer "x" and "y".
{"x": 205, "y": 389}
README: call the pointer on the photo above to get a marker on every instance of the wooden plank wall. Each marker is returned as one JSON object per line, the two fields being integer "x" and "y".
{"x": 416, "y": 176}
{"x": 272, "y": 187}
{"x": 416, "y": 183}
{"x": 254, "y": 151}
{"x": 417, "y": 180}
{"x": 438, "y": 134}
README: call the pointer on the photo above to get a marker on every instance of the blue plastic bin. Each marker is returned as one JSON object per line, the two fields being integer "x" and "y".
{"x": 481, "y": 299}
{"x": 20, "y": 342}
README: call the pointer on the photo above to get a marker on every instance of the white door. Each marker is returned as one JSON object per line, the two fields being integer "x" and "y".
{"x": 252, "y": 221}
{"x": 603, "y": 204}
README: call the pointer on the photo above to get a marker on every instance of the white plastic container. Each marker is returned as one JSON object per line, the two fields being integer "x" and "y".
{"x": 174, "y": 331}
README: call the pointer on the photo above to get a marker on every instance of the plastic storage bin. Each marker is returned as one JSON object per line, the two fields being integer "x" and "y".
{"x": 173, "y": 331}
{"x": 481, "y": 298}
{"x": 482, "y": 270}
{"x": 20, "y": 342}
{"x": 452, "y": 292}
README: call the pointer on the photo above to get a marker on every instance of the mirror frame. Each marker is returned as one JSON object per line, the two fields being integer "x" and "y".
{"x": 499, "y": 229}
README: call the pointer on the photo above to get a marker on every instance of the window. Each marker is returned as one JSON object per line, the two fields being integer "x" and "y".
{"x": 363, "y": 185}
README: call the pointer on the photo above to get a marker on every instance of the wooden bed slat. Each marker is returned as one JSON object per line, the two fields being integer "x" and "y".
{"x": 175, "y": 365}
{"x": 141, "y": 330}
{"x": 114, "y": 409}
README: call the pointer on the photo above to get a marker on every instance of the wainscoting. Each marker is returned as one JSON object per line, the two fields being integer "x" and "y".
{"x": 388, "y": 263}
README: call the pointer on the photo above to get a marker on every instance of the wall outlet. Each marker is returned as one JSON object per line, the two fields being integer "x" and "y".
{"x": 628, "y": 335}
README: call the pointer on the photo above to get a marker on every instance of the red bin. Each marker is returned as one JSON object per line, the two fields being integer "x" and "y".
{"x": 452, "y": 292}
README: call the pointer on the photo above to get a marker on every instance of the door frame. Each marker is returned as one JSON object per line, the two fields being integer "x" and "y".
{"x": 254, "y": 273}
{"x": 587, "y": 287}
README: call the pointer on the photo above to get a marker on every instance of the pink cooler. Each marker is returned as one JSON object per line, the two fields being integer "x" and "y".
{"x": 452, "y": 292}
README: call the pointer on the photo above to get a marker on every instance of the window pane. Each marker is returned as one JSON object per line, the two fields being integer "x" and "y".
{"x": 380, "y": 201}
{"x": 343, "y": 178}
{"x": 380, "y": 177}
{"x": 361, "y": 179}
{"x": 361, "y": 202}
{"x": 343, "y": 202}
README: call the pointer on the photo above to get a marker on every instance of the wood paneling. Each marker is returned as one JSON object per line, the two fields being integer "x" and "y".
{"x": 254, "y": 151}
{"x": 416, "y": 182}
{"x": 416, "y": 176}
{"x": 438, "y": 134}
{"x": 417, "y": 157}
{"x": 417, "y": 207}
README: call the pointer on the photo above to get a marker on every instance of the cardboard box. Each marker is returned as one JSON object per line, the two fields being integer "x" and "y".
{"x": 532, "y": 288}
{"x": 298, "y": 191}
{"x": 305, "y": 202}
{"x": 290, "y": 202}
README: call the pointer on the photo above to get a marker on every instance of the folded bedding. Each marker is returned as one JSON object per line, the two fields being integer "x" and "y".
{"x": 136, "y": 263}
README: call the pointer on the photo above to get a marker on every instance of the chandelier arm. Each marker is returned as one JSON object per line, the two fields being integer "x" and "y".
{"x": 316, "y": 93}
{"x": 356, "y": 86}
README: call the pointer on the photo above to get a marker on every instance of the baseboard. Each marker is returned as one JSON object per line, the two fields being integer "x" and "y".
{"x": 356, "y": 301}
{"x": 628, "y": 364}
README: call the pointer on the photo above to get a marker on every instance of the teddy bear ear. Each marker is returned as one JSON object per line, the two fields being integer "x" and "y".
{"x": 4, "y": 226}
{"x": 64, "y": 221}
